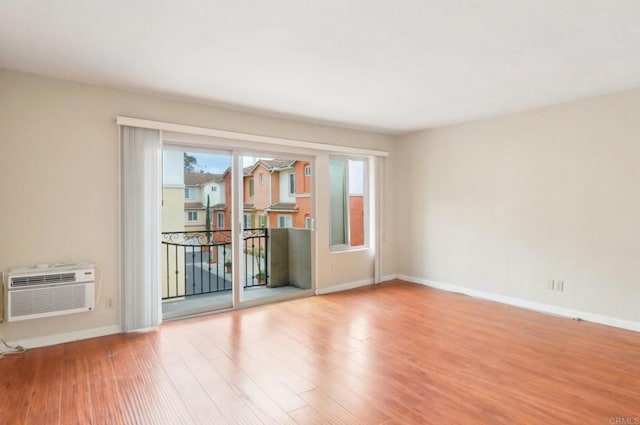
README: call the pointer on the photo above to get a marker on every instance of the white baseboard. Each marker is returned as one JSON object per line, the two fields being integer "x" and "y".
{"x": 530, "y": 305}
{"x": 61, "y": 338}
{"x": 388, "y": 277}
{"x": 344, "y": 286}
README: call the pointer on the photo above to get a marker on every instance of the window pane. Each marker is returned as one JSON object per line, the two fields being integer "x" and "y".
{"x": 292, "y": 183}
{"x": 337, "y": 199}
{"x": 356, "y": 202}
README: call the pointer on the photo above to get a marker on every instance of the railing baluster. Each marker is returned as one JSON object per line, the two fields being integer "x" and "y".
{"x": 209, "y": 264}
{"x": 190, "y": 240}
{"x": 253, "y": 260}
{"x": 176, "y": 252}
{"x": 266, "y": 255}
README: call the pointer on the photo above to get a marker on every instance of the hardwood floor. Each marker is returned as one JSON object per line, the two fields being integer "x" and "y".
{"x": 396, "y": 353}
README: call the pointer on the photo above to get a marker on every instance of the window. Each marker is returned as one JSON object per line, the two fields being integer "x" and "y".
{"x": 308, "y": 222}
{"x": 292, "y": 184}
{"x": 214, "y": 188}
{"x": 307, "y": 170}
{"x": 192, "y": 215}
{"x": 261, "y": 177}
{"x": 189, "y": 193}
{"x": 251, "y": 188}
{"x": 248, "y": 221}
{"x": 220, "y": 220}
{"x": 284, "y": 220}
{"x": 263, "y": 221}
{"x": 347, "y": 192}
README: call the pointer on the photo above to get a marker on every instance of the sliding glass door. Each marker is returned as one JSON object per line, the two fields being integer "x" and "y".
{"x": 236, "y": 229}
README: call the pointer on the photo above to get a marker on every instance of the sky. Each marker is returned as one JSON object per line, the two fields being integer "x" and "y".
{"x": 209, "y": 163}
{"x": 217, "y": 164}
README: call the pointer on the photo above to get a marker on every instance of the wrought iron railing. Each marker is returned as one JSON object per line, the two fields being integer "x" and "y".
{"x": 196, "y": 263}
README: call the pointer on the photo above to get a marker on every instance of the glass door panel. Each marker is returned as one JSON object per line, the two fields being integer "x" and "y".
{"x": 277, "y": 234}
{"x": 196, "y": 246}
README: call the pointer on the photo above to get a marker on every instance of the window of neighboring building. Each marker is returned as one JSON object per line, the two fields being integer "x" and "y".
{"x": 292, "y": 184}
{"x": 263, "y": 221}
{"x": 347, "y": 194}
{"x": 261, "y": 177}
{"x": 308, "y": 222}
{"x": 284, "y": 220}
{"x": 220, "y": 220}
{"x": 307, "y": 170}
{"x": 251, "y": 188}
{"x": 192, "y": 215}
{"x": 189, "y": 193}
{"x": 248, "y": 221}
{"x": 214, "y": 188}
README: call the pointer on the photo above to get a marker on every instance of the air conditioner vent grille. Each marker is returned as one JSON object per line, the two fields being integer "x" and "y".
{"x": 48, "y": 300}
{"x": 44, "y": 279}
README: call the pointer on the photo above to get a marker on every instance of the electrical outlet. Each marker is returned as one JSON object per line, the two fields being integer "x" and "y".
{"x": 555, "y": 285}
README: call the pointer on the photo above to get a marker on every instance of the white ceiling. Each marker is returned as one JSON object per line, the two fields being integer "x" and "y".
{"x": 389, "y": 66}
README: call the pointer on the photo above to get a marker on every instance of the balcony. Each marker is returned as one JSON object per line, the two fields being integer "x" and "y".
{"x": 197, "y": 269}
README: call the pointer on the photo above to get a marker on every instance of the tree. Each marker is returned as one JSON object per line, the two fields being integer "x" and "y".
{"x": 190, "y": 163}
{"x": 208, "y": 229}
{"x": 208, "y": 220}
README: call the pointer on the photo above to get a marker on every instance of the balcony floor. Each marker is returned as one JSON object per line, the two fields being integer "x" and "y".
{"x": 218, "y": 300}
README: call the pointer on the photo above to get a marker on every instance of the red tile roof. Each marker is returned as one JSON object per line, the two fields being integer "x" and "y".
{"x": 269, "y": 164}
{"x": 283, "y": 206}
{"x": 199, "y": 179}
{"x": 193, "y": 206}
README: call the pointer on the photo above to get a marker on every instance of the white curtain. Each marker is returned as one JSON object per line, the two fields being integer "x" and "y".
{"x": 141, "y": 239}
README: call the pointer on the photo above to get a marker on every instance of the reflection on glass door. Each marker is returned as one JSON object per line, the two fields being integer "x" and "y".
{"x": 196, "y": 232}
{"x": 277, "y": 227}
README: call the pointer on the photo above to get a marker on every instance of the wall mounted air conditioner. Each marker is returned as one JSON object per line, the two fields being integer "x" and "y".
{"x": 31, "y": 293}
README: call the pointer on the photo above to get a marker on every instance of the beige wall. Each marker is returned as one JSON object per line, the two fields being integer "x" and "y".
{"x": 60, "y": 139}
{"x": 504, "y": 205}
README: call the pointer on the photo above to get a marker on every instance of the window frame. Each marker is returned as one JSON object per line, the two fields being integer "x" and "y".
{"x": 219, "y": 216}
{"x": 287, "y": 218}
{"x": 244, "y": 221}
{"x": 307, "y": 170}
{"x": 292, "y": 184}
{"x": 191, "y": 214}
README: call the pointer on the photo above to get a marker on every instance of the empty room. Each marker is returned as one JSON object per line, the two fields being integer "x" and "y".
{"x": 286, "y": 212}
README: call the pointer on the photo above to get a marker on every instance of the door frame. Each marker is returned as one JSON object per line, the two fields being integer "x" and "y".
{"x": 211, "y": 145}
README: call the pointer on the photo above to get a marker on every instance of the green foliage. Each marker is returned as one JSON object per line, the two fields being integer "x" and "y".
{"x": 190, "y": 163}
{"x": 208, "y": 220}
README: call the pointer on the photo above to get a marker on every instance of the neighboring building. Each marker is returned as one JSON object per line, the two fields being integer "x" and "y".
{"x": 276, "y": 193}
{"x": 197, "y": 186}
